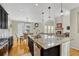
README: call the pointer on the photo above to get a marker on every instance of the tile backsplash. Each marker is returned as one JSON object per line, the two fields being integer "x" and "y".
{"x": 4, "y": 33}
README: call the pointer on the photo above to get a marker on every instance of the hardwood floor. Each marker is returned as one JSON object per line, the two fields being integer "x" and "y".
{"x": 19, "y": 49}
{"x": 23, "y": 50}
{"x": 74, "y": 52}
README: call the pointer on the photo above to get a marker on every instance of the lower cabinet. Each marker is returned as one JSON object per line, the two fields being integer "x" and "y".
{"x": 65, "y": 47}
{"x": 10, "y": 42}
{"x": 37, "y": 49}
{"x": 60, "y": 50}
{"x": 54, "y": 51}
{"x": 31, "y": 46}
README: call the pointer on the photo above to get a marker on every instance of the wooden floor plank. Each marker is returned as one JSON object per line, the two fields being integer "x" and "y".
{"x": 18, "y": 48}
{"x": 74, "y": 52}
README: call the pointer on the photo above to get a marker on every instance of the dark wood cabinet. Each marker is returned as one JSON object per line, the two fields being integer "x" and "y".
{"x": 31, "y": 46}
{"x": 10, "y": 42}
{"x": 3, "y": 18}
{"x": 54, "y": 51}
{"x": 0, "y": 18}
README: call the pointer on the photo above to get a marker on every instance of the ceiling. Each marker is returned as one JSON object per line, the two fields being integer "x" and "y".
{"x": 33, "y": 13}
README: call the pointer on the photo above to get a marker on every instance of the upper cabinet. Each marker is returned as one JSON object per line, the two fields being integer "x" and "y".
{"x": 3, "y": 18}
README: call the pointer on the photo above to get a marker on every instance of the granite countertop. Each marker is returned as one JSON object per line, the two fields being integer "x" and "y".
{"x": 48, "y": 41}
{"x": 3, "y": 42}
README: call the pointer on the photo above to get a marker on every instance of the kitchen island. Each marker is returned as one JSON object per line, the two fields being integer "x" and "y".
{"x": 49, "y": 45}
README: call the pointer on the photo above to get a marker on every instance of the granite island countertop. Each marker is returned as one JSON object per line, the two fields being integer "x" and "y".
{"x": 3, "y": 42}
{"x": 5, "y": 34}
{"x": 48, "y": 41}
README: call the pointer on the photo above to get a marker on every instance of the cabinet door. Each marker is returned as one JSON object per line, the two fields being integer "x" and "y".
{"x": 6, "y": 21}
{"x": 0, "y": 20}
{"x": 3, "y": 20}
{"x": 31, "y": 46}
{"x": 65, "y": 49}
{"x": 53, "y": 51}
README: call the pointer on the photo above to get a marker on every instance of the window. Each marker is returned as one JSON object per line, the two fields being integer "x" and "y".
{"x": 52, "y": 29}
{"x": 49, "y": 29}
{"x": 45, "y": 29}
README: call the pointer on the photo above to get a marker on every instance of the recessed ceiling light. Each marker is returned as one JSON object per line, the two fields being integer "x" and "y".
{"x": 36, "y": 4}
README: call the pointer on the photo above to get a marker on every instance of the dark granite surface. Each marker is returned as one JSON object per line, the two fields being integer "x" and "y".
{"x": 3, "y": 41}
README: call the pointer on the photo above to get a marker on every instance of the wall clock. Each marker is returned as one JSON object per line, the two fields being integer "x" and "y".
{"x": 36, "y": 25}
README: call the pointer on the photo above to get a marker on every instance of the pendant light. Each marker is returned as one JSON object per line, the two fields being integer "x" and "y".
{"x": 42, "y": 17}
{"x": 49, "y": 8}
{"x": 61, "y": 12}
{"x": 61, "y": 18}
{"x": 49, "y": 12}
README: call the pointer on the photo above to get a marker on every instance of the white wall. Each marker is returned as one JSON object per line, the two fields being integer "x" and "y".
{"x": 66, "y": 22}
{"x": 19, "y": 27}
{"x": 41, "y": 27}
{"x": 74, "y": 32}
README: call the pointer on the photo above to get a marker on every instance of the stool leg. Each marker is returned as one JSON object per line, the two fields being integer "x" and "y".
{"x": 17, "y": 40}
{"x": 20, "y": 41}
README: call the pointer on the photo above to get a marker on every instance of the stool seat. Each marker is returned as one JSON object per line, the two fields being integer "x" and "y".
{"x": 25, "y": 35}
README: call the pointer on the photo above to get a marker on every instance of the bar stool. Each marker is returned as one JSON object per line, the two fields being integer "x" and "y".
{"x": 21, "y": 39}
{"x": 25, "y": 35}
